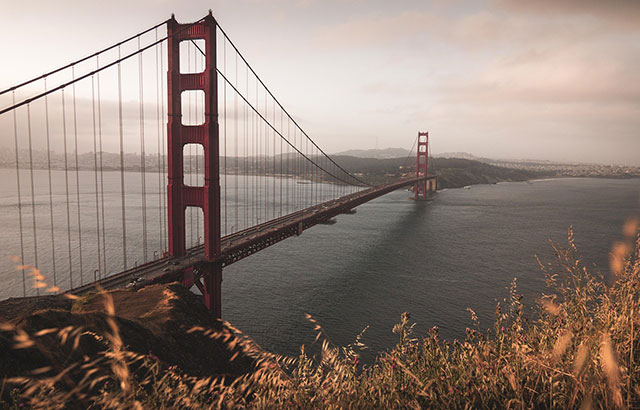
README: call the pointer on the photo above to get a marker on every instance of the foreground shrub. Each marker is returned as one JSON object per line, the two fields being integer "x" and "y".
{"x": 579, "y": 351}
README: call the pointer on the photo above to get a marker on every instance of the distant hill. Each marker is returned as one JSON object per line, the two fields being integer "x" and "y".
{"x": 375, "y": 153}
{"x": 452, "y": 172}
{"x": 388, "y": 153}
{"x": 462, "y": 155}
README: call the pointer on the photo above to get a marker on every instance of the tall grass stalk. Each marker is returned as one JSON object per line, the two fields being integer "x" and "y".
{"x": 578, "y": 351}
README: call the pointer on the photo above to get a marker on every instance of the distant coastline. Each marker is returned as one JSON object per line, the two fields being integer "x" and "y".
{"x": 452, "y": 172}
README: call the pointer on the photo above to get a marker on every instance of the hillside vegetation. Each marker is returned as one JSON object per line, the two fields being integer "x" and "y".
{"x": 457, "y": 173}
{"x": 452, "y": 172}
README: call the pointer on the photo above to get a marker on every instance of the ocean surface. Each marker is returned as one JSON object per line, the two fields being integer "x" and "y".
{"x": 433, "y": 259}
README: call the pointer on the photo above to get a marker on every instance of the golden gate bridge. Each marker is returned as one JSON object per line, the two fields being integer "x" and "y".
{"x": 224, "y": 170}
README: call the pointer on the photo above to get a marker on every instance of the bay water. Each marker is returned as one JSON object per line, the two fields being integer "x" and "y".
{"x": 433, "y": 259}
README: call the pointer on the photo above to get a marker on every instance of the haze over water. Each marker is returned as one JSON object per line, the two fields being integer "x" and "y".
{"x": 433, "y": 259}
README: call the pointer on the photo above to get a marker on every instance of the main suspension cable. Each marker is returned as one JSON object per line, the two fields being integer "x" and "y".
{"x": 113, "y": 63}
{"x": 57, "y": 70}
{"x": 276, "y": 102}
{"x": 277, "y": 132}
{"x": 280, "y": 105}
{"x": 406, "y": 161}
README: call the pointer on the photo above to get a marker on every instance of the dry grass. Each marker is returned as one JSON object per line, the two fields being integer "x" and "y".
{"x": 580, "y": 351}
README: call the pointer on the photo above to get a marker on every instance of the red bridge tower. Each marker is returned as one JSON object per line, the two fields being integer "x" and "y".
{"x": 207, "y": 197}
{"x": 422, "y": 188}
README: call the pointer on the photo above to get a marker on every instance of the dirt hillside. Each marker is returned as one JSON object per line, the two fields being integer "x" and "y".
{"x": 154, "y": 321}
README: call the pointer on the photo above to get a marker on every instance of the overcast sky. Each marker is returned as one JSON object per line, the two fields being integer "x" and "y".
{"x": 542, "y": 79}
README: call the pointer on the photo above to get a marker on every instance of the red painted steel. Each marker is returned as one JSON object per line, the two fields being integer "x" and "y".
{"x": 179, "y": 195}
{"x": 421, "y": 188}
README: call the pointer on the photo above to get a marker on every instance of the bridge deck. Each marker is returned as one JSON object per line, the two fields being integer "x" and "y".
{"x": 241, "y": 244}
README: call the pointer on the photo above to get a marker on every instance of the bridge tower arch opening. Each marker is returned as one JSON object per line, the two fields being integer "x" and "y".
{"x": 208, "y": 277}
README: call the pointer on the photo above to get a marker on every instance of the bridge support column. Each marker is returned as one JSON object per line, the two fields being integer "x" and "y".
{"x": 432, "y": 184}
{"x": 212, "y": 286}
{"x": 421, "y": 188}
{"x": 181, "y": 196}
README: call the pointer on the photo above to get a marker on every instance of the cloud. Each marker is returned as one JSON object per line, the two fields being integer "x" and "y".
{"x": 495, "y": 74}
{"x": 375, "y": 30}
{"x": 559, "y": 76}
{"x": 496, "y": 57}
{"x": 622, "y": 13}
{"x": 503, "y": 80}
{"x": 479, "y": 29}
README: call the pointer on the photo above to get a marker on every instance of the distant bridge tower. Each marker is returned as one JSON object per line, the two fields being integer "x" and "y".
{"x": 422, "y": 188}
{"x": 181, "y": 196}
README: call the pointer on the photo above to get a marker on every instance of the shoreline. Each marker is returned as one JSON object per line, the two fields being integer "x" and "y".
{"x": 554, "y": 178}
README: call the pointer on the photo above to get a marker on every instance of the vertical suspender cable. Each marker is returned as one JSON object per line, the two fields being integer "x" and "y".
{"x": 313, "y": 178}
{"x": 335, "y": 187}
{"x": 314, "y": 182}
{"x": 246, "y": 154}
{"x": 104, "y": 242}
{"x": 321, "y": 179}
{"x": 300, "y": 169}
{"x": 257, "y": 198}
{"x": 433, "y": 167}
{"x": 255, "y": 128}
{"x": 263, "y": 169}
{"x": 165, "y": 235}
{"x": 224, "y": 46}
{"x": 253, "y": 163}
{"x": 235, "y": 148}
{"x": 15, "y": 138}
{"x": 196, "y": 98}
{"x": 314, "y": 169}
{"x": 307, "y": 193}
{"x": 143, "y": 174}
{"x": 307, "y": 167}
{"x": 288, "y": 210}
{"x": 190, "y": 117}
{"x": 254, "y": 131}
{"x": 75, "y": 134}
{"x": 274, "y": 161}
{"x": 95, "y": 169}
{"x": 122, "y": 192}
{"x": 53, "y": 241}
{"x": 33, "y": 200}
{"x": 159, "y": 126}
{"x": 66, "y": 183}
{"x": 281, "y": 176}
{"x": 264, "y": 141}
{"x": 303, "y": 169}
{"x": 295, "y": 171}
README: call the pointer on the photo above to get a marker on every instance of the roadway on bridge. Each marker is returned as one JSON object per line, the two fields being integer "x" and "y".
{"x": 241, "y": 244}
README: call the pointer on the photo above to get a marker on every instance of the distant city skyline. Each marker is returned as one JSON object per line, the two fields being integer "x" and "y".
{"x": 500, "y": 79}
